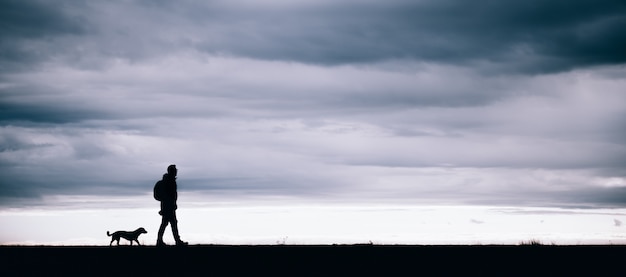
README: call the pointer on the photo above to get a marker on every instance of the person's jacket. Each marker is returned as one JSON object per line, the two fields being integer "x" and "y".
{"x": 170, "y": 195}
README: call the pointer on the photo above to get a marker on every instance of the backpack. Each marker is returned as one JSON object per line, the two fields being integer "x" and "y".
{"x": 158, "y": 190}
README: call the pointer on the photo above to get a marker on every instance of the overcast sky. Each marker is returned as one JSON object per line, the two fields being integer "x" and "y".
{"x": 453, "y": 102}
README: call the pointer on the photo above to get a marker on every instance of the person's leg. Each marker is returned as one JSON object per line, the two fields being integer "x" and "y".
{"x": 175, "y": 229}
{"x": 174, "y": 223}
{"x": 164, "y": 222}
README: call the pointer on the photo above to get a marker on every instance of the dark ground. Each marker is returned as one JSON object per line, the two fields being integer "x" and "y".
{"x": 331, "y": 260}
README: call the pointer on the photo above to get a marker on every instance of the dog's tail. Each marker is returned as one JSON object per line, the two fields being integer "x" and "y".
{"x": 108, "y": 234}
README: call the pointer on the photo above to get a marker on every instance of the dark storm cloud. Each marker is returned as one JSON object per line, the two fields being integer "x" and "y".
{"x": 31, "y": 19}
{"x": 27, "y": 104}
{"x": 608, "y": 196}
{"x": 533, "y": 36}
{"x": 11, "y": 113}
{"x": 73, "y": 174}
{"x": 509, "y": 36}
{"x": 31, "y": 31}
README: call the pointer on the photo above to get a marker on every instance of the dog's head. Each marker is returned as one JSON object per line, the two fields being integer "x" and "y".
{"x": 142, "y": 230}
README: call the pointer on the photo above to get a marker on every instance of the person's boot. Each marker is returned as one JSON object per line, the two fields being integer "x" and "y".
{"x": 179, "y": 242}
{"x": 160, "y": 243}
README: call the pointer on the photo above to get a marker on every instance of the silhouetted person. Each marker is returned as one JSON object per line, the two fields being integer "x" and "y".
{"x": 167, "y": 194}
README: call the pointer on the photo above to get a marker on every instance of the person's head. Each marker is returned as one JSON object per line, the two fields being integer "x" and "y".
{"x": 171, "y": 170}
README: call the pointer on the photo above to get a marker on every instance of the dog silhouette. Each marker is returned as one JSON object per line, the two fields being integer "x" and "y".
{"x": 130, "y": 236}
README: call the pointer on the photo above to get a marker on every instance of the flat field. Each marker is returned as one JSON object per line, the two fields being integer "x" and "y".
{"x": 314, "y": 260}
